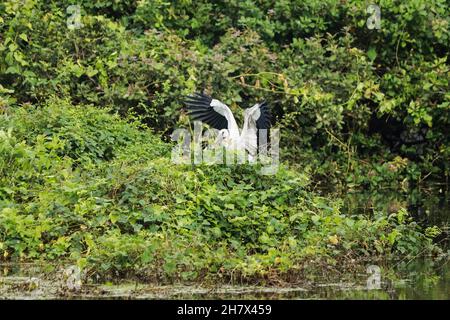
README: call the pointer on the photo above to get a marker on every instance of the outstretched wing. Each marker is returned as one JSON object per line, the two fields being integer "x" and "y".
{"x": 208, "y": 110}
{"x": 263, "y": 121}
{"x": 256, "y": 118}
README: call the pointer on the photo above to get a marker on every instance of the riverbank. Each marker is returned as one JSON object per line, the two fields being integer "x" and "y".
{"x": 101, "y": 193}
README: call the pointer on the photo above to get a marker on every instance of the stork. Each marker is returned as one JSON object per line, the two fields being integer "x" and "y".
{"x": 219, "y": 116}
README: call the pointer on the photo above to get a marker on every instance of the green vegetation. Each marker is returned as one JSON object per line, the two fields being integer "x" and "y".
{"x": 81, "y": 184}
{"x": 85, "y": 115}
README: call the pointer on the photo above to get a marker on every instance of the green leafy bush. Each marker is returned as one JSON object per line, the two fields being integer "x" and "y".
{"x": 135, "y": 212}
{"x": 346, "y": 97}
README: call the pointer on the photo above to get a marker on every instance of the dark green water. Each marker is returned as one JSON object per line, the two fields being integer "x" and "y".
{"x": 422, "y": 278}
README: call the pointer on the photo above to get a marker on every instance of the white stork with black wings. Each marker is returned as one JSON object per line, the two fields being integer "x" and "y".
{"x": 219, "y": 116}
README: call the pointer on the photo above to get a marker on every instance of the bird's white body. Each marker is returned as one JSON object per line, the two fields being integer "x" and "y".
{"x": 234, "y": 139}
{"x": 223, "y": 109}
{"x": 219, "y": 116}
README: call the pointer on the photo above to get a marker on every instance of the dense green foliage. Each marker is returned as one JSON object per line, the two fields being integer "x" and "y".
{"x": 349, "y": 99}
{"x": 114, "y": 201}
{"x": 85, "y": 174}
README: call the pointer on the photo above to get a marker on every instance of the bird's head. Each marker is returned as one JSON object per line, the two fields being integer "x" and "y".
{"x": 252, "y": 113}
{"x": 224, "y": 133}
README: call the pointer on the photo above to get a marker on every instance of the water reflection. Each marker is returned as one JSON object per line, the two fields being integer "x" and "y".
{"x": 423, "y": 278}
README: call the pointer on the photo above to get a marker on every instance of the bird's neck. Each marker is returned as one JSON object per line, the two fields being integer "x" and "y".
{"x": 249, "y": 122}
{"x": 233, "y": 128}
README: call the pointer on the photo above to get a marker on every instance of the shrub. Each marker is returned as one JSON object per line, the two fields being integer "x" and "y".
{"x": 135, "y": 212}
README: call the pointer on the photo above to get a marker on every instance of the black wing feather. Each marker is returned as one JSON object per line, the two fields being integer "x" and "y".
{"x": 264, "y": 120}
{"x": 199, "y": 108}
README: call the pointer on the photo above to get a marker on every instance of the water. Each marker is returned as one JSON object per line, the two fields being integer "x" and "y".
{"x": 420, "y": 283}
{"x": 423, "y": 278}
